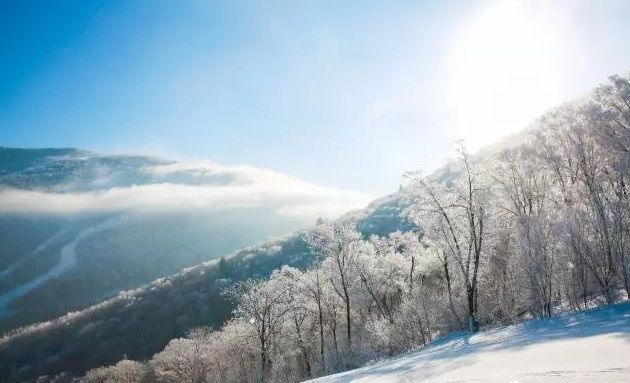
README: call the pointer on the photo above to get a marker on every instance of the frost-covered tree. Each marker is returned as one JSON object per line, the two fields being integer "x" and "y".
{"x": 454, "y": 215}
{"x": 308, "y": 287}
{"x": 523, "y": 195}
{"x": 125, "y": 371}
{"x": 339, "y": 246}
{"x": 183, "y": 360}
{"x": 263, "y": 305}
{"x": 543, "y": 225}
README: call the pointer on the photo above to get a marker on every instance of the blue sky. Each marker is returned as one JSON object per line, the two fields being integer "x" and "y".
{"x": 343, "y": 94}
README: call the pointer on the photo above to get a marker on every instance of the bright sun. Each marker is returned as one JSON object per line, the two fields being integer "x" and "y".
{"x": 504, "y": 70}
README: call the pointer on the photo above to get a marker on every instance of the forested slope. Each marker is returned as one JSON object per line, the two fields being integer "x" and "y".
{"x": 138, "y": 323}
{"x": 86, "y": 225}
{"x": 533, "y": 229}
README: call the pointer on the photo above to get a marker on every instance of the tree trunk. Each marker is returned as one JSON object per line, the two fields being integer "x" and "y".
{"x": 348, "y": 322}
{"x": 447, "y": 276}
{"x": 321, "y": 333}
{"x": 473, "y": 326}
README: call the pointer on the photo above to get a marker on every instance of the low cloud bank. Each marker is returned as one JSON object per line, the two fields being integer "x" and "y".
{"x": 252, "y": 188}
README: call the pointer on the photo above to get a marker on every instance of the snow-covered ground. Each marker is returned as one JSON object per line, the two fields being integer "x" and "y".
{"x": 592, "y": 346}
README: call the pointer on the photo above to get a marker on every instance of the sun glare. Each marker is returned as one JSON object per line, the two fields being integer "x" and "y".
{"x": 505, "y": 69}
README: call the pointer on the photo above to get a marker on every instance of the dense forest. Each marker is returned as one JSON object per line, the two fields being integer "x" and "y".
{"x": 538, "y": 227}
{"x": 138, "y": 323}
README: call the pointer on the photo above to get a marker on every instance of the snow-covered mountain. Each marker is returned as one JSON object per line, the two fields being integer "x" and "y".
{"x": 141, "y": 217}
{"x": 84, "y": 226}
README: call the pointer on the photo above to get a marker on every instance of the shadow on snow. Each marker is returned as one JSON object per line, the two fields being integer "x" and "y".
{"x": 613, "y": 319}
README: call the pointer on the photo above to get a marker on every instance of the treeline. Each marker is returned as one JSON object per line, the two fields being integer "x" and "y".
{"x": 541, "y": 227}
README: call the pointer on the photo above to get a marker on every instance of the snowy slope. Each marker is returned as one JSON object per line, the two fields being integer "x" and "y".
{"x": 591, "y": 346}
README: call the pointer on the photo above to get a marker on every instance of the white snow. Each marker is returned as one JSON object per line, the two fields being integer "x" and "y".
{"x": 591, "y": 346}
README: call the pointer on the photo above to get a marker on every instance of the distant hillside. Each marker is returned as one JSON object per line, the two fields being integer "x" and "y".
{"x": 140, "y": 322}
{"x": 84, "y": 226}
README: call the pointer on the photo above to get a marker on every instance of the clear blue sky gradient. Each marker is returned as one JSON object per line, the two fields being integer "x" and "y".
{"x": 346, "y": 94}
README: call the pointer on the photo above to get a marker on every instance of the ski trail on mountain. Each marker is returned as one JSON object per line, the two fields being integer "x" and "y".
{"x": 4, "y": 273}
{"x": 67, "y": 260}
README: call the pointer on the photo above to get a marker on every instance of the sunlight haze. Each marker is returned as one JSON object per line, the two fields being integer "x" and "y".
{"x": 325, "y": 191}
{"x": 314, "y": 90}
